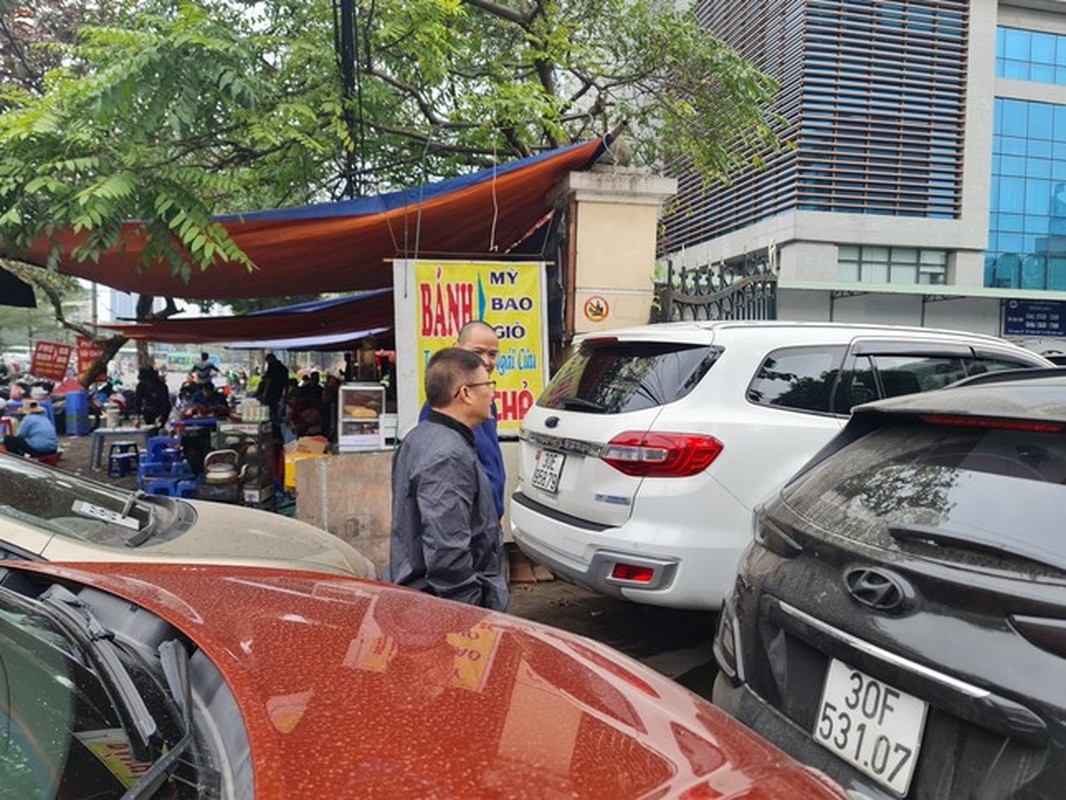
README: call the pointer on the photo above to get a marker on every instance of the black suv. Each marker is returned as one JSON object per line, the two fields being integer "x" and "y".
{"x": 900, "y": 620}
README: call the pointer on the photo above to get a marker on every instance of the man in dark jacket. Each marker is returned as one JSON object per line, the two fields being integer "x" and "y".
{"x": 272, "y": 386}
{"x": 151, "y": 400}
{"x": 446, "y": 538}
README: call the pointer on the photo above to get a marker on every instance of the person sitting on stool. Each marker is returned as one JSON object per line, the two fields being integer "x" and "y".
{"x": 36, "y": 436}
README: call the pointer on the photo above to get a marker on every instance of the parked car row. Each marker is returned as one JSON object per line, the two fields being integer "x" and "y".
{"x": 644, "y": 458}
{"x": 888, "y": 573}
{"x": 186, "y": 649}
{"x": 887, "y": 557}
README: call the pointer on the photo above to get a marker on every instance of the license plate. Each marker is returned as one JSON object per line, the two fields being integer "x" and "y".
{"x": 549, "y": 466}
{"x": 871, "y": 725}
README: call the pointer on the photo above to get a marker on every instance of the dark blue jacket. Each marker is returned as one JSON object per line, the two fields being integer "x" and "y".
{"x": 487, "y": 444}
{"x": 445, "y": 538}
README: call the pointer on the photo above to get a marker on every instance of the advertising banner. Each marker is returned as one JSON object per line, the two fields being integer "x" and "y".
{"x": 88, "y": 352}
{"x": 50, "y": 360}
{"x": 435, "y": 298}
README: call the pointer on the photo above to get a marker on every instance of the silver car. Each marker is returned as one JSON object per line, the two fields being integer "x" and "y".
{"x": 49, "y": 514}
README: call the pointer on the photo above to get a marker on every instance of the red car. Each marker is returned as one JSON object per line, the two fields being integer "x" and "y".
{"x": 142, "y": 680}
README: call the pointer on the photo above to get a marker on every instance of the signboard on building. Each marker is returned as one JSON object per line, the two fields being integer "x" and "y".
{"x": 1034, "y": 318}
{"x": 50, "y": 360}
{"x": 435, "y": 298}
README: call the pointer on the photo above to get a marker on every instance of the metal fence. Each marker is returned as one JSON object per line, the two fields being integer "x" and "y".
{"x": 717, "y": 292}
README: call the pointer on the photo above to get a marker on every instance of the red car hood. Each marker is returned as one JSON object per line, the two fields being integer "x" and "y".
{"x": 359, "y": 689}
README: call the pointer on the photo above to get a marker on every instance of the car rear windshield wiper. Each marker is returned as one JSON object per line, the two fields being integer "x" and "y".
{"x": 580, "y": 403}
{"x": 78, "y": 619}
{"x": 977, "y": 539}
{"x": 132, "y": 498}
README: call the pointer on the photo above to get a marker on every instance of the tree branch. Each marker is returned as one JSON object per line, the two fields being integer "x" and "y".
{"x": 503, "y": 12}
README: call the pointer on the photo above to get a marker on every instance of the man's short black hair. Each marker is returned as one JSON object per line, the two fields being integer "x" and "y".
{"x": 448, "y": 369}
{"x": 203, "y": 356}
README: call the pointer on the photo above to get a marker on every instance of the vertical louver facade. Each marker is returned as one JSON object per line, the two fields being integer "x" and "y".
{"x": 872, "y": 97}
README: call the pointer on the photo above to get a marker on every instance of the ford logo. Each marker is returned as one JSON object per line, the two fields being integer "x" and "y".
{"x": 880, "y": 589}
{"x": 551, "y": 422}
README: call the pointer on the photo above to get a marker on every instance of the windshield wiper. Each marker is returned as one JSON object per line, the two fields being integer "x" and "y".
{"x": 132, "y": 498}
{"x": 77, "y": 617}
{"x": 143, "y": 535}
{"x": 977, "y": 539}
{"x": 175, "y": 663}
{"x": 579, "y": 403}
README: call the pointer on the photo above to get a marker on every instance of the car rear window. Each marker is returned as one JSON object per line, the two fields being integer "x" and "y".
{"x": 615, "y": 377}
{"x": 982, "y": 497}
{"x": 57, "y": 502}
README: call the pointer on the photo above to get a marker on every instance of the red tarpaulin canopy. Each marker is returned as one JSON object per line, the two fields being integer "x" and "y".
{"x": 367, "y": 312}
{"x": 343, "y": 247}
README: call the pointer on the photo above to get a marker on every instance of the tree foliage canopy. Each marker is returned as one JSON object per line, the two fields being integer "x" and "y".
{"x": 171, "y": 113}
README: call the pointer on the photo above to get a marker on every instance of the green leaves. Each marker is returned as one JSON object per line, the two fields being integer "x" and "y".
{"x": 169, "y": 114}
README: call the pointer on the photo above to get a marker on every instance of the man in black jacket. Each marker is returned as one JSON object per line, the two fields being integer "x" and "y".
{"x": 446, "y": 538}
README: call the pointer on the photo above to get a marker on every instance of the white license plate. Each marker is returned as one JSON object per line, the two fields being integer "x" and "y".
{"x": 549, "y": 466}
{"x": 870, "y": 724}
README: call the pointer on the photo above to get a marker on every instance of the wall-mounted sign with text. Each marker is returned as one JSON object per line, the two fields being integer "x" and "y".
{"x": 435, "y": 298}
{"x": 1034, "y": 318}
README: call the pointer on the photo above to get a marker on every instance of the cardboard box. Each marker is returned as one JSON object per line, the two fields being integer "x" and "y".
{"x": 312, "y": 444}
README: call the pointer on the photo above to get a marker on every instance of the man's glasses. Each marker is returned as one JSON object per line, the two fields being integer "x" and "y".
{"x": 472, "y": 385}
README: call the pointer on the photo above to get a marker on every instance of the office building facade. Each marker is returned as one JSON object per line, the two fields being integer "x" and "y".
{"x": 923, "y": 178}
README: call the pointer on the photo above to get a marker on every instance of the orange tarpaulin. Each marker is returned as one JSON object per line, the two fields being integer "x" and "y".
{"x": 343, "y": 247}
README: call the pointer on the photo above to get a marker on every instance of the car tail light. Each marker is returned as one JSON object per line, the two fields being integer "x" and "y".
{"x": 598, "y": 340}
{"x": 993, "y": 422}
{"x": 661, "y": 455}
{"x": 631, "y": 572}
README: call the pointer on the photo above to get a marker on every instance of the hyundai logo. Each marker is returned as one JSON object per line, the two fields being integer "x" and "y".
{"x": 551, "y": 422}
{"x": 878, "y": 589}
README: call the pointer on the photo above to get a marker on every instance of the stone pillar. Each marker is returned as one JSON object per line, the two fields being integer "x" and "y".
{"x": 613, "y": 223}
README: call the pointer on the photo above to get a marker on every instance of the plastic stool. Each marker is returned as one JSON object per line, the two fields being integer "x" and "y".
{"x": 187, "y": 488}
{"x": 122, "y": 458}
{"x": 51, "y": 459}
{"x": 164, "y": 486}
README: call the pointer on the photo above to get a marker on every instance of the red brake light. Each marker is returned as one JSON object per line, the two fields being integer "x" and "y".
{"x": 629, "y": 572}
{"x": 596, "y": 340}
{"x": 661, "y": 455}
{"x": 993, "y": 422}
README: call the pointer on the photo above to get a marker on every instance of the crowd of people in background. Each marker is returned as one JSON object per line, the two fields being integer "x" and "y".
{"x": 301, "y": 402}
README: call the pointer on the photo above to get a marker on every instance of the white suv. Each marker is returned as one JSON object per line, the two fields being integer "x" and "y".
{"x": 642, "y": 460}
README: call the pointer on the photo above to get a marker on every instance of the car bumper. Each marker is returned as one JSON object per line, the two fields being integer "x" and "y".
{"x": 743, "y": 704}
{"x": 681, "y": 575}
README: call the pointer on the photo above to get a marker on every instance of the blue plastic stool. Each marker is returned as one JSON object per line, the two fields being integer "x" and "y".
{"x": 187, "y": 488}
{"x": 160, "y": 485}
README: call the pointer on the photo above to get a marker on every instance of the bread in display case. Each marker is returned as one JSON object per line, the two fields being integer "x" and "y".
{"x": 359, "y": 417}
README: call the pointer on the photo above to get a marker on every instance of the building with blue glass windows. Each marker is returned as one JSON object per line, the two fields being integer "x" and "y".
{"x": 924, "y": 175}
